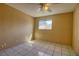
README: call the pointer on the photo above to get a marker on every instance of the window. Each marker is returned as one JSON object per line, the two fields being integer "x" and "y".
{"x": 45, "y": 24}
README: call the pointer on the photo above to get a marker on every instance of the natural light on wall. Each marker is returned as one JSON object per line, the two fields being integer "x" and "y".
{"x": 45, "y": 24}
{"x": 29, "y": 38}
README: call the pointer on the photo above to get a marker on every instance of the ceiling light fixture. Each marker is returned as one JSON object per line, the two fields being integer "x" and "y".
{"x": 44, "y": 7}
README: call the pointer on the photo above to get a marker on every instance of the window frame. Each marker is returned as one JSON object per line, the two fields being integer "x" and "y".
{"x": 45, "y": 20}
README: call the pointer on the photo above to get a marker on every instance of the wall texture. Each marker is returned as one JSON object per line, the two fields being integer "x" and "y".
{"x": 15, "y": 26}
{"x": 61, "y": 29}
{"x": 76, "y": 30}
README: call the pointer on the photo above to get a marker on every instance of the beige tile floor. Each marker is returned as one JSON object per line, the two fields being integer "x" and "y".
{"x": 38, "y": 48}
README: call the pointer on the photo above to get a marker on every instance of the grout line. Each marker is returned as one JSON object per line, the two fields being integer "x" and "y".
{"x": 53, "y": 50}
{"x": 61, "y": 50}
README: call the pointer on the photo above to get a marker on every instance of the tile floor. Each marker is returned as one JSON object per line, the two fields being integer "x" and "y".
{"x": 38, "y": 48}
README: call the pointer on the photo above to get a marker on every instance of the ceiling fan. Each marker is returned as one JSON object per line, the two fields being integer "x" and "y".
{"x": 45, "y": 7}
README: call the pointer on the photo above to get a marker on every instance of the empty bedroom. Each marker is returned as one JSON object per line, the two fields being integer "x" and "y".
{"x": 39, "y": 29}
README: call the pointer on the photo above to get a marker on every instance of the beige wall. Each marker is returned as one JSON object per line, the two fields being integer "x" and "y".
{"x": 76, "y": 30}
{"x": 61, "y": 29}
{"x": 15, "y": 26}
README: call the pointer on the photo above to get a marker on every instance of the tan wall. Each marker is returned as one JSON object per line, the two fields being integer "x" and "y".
{"x": 76, "y": 30}
{"x": 61, "y": 29}
{"x": 14, "y": 26}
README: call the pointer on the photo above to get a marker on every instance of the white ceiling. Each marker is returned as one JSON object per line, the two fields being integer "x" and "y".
{"x": 32, "y": 8}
